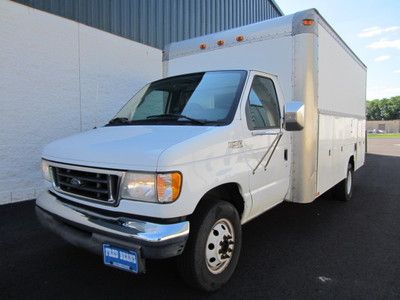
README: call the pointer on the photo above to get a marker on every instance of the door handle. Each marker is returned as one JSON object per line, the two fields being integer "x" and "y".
{"x": 256, "y": 133}
{"x": 285, "y": 152}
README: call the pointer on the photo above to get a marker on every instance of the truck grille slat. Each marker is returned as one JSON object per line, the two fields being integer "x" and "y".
{"x": 83, "y": 178}
{"x": 84, "y": 188}
{"x": 95, "y": 186}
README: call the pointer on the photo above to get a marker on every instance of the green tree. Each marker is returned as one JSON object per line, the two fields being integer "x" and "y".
{"x": 396, "y": 107}
{"x": 384, "y": 109}
{"x": 373, "y": 110}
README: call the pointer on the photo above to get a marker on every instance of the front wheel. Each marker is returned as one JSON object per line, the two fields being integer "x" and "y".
{"x": 212, "y": 251}
{"x": 344, "y": 189}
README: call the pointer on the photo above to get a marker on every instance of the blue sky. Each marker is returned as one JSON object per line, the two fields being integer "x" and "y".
{"x": 372, "y": 29}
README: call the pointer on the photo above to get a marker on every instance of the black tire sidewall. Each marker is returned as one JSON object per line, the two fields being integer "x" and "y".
{"x": 349, "y": 195}
{"x": 220, "y": 210}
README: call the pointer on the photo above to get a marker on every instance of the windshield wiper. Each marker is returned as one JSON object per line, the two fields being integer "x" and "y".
{"x": 176, "y": 116}
{"x": 126, "y": 121}
{"x": 118, "y": 121}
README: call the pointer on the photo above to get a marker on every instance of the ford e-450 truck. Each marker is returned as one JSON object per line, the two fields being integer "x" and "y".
{"x": 243, "y": 120}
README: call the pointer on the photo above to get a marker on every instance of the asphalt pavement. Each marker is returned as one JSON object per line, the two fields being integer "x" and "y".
{"x": 327, "y": 249}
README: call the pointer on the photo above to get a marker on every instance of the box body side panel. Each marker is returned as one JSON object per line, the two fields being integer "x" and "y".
{"x": 341, "y": 108}
{"x": 341, "y": 80}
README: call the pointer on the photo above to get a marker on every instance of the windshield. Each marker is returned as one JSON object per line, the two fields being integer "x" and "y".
{"x": 197, "y": 99}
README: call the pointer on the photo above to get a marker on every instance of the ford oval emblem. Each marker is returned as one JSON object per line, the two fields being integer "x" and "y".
{"x": 76, "y": 182}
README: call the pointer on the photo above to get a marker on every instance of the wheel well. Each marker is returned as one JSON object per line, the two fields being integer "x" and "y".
{"x": 351, "y": 161}
{"x": 228, "y": 192}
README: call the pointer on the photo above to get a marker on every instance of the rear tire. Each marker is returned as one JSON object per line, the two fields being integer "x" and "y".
{"x": 344, "y": 189}
{"x": 213, "y": 248}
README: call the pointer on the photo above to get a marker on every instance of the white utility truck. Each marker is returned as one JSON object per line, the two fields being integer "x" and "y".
{"x": 243, "y": 120}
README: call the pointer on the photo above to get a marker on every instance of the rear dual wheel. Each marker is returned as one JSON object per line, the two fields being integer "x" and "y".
{"x": 212, "y": 251}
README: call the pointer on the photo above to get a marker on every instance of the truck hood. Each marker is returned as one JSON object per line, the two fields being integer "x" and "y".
{"x": 120, "y": 147}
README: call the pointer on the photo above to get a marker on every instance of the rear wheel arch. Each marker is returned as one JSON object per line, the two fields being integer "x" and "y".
{"x": 348, "y": 162}
{"x": 351, "y": 161}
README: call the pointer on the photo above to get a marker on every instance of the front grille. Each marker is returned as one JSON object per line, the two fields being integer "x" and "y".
{"x": 96, "y": 186}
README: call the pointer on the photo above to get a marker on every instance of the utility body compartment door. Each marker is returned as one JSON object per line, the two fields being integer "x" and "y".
{"x": 337, "y": 143}
{"x": 265, "y": 141}
{"x": 325, "y": 153}
{"x": 360, "y": 144}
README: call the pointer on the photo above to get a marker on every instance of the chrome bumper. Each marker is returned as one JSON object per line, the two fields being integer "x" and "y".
{"x": 64, "y": 218}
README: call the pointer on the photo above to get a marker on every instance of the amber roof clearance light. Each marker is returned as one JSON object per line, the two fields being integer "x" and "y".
{"x": 308, "y": 22}
{"x": 240, "y": 38}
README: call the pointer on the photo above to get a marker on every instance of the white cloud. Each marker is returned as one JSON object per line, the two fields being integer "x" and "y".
{"x": 382, "y": 58}
{"x": 392, "y": 90}
{"x": 396, "y": 71}
{"x": 379, "y": 92}
{"x": 384, "y": 44}
{"x": 377, "y": 30}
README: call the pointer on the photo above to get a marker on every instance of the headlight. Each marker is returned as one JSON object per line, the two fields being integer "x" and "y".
{"x": 139, "y": 186}
{"x": 150, "y": 187}
{"x": 46, "y": 170}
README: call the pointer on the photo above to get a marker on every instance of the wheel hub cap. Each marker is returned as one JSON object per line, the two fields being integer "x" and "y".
{"x": 220, "y": 246}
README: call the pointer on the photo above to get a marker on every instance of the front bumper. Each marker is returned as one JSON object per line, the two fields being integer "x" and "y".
{"x": 90, "y": 230}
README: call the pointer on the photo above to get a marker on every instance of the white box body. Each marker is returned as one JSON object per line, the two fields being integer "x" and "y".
{"x": 313, "y": 65}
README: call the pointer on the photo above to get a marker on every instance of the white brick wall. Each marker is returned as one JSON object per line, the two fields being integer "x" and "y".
{"x": 58, "y": 77}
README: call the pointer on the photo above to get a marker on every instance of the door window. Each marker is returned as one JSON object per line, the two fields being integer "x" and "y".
{"x": 262, "y": 107}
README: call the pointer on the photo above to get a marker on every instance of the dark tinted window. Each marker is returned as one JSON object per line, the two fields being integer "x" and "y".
{"x": 262, "y": 105}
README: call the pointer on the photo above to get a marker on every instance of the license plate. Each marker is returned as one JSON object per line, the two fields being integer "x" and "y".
{"x": 120, "y": 258}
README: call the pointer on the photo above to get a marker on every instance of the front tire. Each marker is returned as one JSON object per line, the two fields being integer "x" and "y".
{"x": 344, "y": 190}
{"x": 212, "y": 251}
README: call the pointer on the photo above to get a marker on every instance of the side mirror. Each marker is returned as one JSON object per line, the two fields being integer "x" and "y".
{"x": 294, "y": 116}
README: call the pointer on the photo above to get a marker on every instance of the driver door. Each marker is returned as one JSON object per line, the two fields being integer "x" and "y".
{"x": 266, "y": 143}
